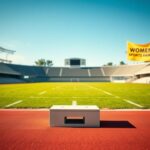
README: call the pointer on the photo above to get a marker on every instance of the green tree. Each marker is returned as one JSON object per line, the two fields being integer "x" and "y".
{"x": 109, "y": 64}
{"x": 43, "y": 62}
{"x": 122, "y": 63}
{"x": 40, "y": 62}
{"x": 49, "y": 63}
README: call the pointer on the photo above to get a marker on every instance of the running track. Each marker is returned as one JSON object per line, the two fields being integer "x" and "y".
{"x": 30, "y": 130}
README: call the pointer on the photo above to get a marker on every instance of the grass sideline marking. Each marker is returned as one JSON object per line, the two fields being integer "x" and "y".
{"x": 108, "y": 93}
{"x": 13, "y": 103}
{"x": 128, "y": 101}
{"x": 70, "y": 91}
{"x": 43, "y": 92}
{"x": 84, "y": 97}
{"x": 57, "y": 87}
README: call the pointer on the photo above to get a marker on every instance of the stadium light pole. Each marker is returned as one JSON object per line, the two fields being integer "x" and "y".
{"x": 7, "y": 52}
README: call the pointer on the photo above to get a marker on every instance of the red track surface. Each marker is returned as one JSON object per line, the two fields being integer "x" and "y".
{"x": 30, "y": 130}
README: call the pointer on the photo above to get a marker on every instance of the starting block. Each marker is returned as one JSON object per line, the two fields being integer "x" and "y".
{"x": 74, "y": 116}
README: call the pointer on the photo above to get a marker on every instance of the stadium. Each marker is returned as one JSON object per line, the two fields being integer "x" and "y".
{"x": 71, "y": 79}
{"x": 11, "y": 73}
{"x": 78, "y": 78}
{"x": 121, "y": 93}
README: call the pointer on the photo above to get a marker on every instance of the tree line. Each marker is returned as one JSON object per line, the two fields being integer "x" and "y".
{"x": 111, "y": 63}
{"x": 44, "y": 62}
{"x": 49, "y": 63}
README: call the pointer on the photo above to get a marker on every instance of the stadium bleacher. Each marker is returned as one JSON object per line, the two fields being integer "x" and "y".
{"x": 96, "y": 72}
{"x": 127, "y": 70}
{"x": 108, "y": 70}
{"x": 12, "y": 73}
{"x": 5, "y": 69}
{"x": 144, "y": 70}
{"x": 52, "y": 71}
{"x": 27, "y": 70}
{"x": 75, "y": 72}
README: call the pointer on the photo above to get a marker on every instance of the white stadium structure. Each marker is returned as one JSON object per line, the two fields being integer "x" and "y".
{"x": 12, "y": 73}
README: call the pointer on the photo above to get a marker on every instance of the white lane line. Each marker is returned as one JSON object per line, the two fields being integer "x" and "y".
{"x": 57, "y": 87}
{"x": 108, "y": 93}
{"x": 43, "y": 92}
{"x": 129, "y": 101}
{"x": 82, "y": 97}
{"x": 13, "y": 103}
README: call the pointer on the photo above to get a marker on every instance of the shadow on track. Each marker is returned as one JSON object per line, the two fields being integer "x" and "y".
{"x": 115, "y": 124}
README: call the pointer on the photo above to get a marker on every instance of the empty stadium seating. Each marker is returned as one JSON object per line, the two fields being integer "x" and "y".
{"x": 5, "y": 69}
{"x": 108, "y": 70}
{"x": 145, "y": 70}
{"x": 127, "y": 70}
{"x": 28, "y": 70}
{"x": 52, "y": 71}
{"x": 11, "y": 73}
{"x": 74, "y": 72}
{"x": 96, "y": 72}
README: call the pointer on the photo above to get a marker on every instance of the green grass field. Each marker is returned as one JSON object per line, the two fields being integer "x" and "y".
{"x": 104, "y": 95}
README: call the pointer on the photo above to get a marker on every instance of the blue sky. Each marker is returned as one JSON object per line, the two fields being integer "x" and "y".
{"x": 96, "y": 30}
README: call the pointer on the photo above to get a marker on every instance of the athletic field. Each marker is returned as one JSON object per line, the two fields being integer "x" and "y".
{"x": 30, "y": 129}
{"x": 104, "y": 95}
